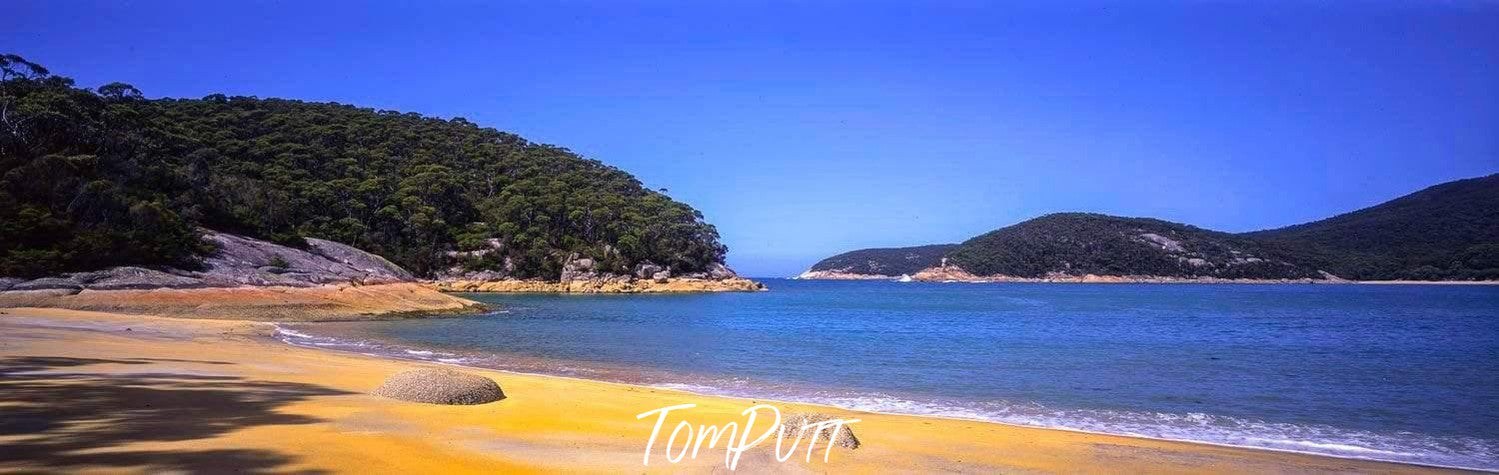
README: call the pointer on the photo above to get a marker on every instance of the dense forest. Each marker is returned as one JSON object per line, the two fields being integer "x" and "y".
{"x": 1446, "y": 232}
{"x": 892, "y": 261}
{"x": 105, "y": 177}
{"x": 1080, "y": 243}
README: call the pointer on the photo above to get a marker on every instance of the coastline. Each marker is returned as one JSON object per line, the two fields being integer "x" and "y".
{"x": 342, "y": 301}
{"x": 424, "y": 356}
{"x": 836, "y": 275}
{"x": 549, "y": 422}
{"x": 960, "y": 277}
{"x": 339, "y": 302}
{"x": 599, "y": 286}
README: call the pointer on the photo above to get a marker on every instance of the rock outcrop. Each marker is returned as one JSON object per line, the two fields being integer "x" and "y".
{"x": 945, "y": 274}
{"x": 649, "y": 270}
{"x": 247, "y": 279}
{"x": 580, "y": 275}
{"x": 440, "y": 386}
{"x": 372, "y": 265}
{"x": 244, "y": 261}
{"x": 238, "y": 261}
{"x": 718, "y": 271}
{"x": 616, "y": 285}
{"x": 839, "y": 275}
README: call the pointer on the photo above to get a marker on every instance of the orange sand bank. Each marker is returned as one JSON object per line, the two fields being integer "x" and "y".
{"x": 330, "y": 302}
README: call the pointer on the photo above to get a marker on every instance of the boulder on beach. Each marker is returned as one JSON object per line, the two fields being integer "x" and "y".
{"x": 440, "y": 386}
{"x": 792, "y": 423}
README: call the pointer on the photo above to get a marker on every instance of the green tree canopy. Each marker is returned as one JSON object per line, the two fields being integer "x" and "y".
{"x": 90, "y": 179}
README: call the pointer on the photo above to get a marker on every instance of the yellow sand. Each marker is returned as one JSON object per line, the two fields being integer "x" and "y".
{"x": 79, "y": 392}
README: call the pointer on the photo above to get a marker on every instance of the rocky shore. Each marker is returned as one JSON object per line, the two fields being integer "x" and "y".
{"x": 956, "y": 274}
{"x": 597, "y": 286}
{"x": 836, "y": 275}
{"x": 247, "y": 279}
{"x": 250, "y": 279}
{"x": 580, "y": 275}
{"x": 240, "y": 261}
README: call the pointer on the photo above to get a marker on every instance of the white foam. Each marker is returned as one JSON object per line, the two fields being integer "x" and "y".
{"x": 1329, "y": 446}
{"x": 292, "y": 333}
{"x": 1457, "y": 452}
{"x": 693, "y": 388}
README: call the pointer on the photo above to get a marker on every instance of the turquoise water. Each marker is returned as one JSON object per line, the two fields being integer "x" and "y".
{"x": 1401, "y": 373}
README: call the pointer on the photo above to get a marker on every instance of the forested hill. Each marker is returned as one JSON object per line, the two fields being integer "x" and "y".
{"x": 1078, "y": 244}
{"x": 1446, "y": 232}
{"x": 98, "y": 178}
{"x": 890, "y": 262}
{"x": 1081, "y": 243}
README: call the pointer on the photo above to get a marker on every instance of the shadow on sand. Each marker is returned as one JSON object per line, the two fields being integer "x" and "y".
{"x": 53, "y": 417}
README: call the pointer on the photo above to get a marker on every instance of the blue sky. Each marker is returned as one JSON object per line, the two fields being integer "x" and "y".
{"x": 810, "y": 128}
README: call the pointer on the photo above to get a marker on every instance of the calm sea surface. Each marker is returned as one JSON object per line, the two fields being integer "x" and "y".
{"x": 1389, "y": 372}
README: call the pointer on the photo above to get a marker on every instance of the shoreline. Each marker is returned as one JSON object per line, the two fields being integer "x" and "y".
{"x": 547, "y": 417}
{"x": 1111, "y": 279}
{"x": 402, "y": 352}
{"x": 598, "y": 286}
{"x": 784, "y": 402}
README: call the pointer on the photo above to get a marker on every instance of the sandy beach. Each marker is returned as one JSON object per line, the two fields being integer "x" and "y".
{"x": 257, "y": 303}
{"x": 109, "y": 392}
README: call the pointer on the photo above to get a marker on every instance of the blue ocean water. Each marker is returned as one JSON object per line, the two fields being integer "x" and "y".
{"x": 1389, "y": 372}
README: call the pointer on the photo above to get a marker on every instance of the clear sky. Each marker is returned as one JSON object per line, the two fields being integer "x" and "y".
{"x": 810, "y": 128}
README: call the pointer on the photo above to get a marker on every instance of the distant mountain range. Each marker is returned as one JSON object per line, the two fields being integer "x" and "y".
{"x": 1446, "y": 232}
